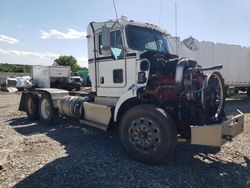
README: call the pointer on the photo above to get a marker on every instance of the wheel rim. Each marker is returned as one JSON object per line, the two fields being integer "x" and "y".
{"x": 45, "y": 108}
{"x": 144, "y": 135}
{"x": 213, "y": 96}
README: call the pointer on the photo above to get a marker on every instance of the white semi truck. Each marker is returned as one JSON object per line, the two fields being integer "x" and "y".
{"x": 153, "y": 97}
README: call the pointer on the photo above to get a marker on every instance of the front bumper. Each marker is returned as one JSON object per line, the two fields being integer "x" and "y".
{"x": 217, "y": 134}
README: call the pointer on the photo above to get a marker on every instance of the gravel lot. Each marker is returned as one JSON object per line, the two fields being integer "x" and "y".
{"x": 72, "y": 155}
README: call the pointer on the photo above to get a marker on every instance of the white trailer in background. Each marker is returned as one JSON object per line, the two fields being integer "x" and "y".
{"x": 235, "y": 60}
{"x": 45, "y": 76}
{"x": 55, "y": 77}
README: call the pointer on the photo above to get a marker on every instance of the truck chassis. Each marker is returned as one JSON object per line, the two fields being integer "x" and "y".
{"x": 148, "y": 128}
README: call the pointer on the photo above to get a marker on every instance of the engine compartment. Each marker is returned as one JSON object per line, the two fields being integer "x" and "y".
{"x": 182, "y": 89}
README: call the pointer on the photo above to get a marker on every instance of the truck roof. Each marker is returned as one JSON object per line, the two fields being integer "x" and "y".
{"x": 125, "y": 21}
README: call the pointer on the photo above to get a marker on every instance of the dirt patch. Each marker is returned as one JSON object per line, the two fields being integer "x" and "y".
{"x": 68, "y": 154}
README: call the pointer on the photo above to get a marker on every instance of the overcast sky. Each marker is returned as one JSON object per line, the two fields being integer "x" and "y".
{"x": 38, "y": 31}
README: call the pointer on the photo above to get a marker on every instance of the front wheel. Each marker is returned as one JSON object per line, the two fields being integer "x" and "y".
{"x": 147, "y": 134}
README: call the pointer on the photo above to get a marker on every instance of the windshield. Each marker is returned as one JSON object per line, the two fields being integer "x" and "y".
{"x": 141, "y": 38}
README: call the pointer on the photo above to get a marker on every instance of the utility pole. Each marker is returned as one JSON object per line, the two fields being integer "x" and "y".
{"x": 176, "y": 42}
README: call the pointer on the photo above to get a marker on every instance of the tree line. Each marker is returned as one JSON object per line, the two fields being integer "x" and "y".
{"x": 62, "y": 60}
{"x": 15, "y": 68}
{"x": 69, "y": 61}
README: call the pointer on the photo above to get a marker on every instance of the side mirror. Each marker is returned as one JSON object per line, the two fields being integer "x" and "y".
{"x": 106, "y": 47}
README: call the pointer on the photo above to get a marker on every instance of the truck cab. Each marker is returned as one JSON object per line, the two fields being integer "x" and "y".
{"x": 75, "y": 78}
{"x": 116, "y": 67}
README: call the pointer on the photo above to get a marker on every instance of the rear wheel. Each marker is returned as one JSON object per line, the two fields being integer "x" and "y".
{"x": 47, "y": 112}
{"x": 147, "y": 134}
{"x": 32, "y": 103}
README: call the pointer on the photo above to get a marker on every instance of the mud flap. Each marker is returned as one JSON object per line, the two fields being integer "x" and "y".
{"x": 23, "y": 101}
{"x": 217, "y": 134}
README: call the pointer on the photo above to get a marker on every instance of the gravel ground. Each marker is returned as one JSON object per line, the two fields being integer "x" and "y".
{"x": 72, "y": 155}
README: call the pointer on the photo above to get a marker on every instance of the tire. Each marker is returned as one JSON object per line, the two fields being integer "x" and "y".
{"x": 47, "y": 113}
{"x": 147, "y": 134}
{"x": 31, "y": 106}
{"x": 248, "y": 91}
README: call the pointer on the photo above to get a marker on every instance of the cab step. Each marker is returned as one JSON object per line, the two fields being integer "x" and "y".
{"x": 97, "y": 115}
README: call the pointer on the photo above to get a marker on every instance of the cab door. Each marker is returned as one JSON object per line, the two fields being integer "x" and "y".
{"x": 111, "y": 68}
